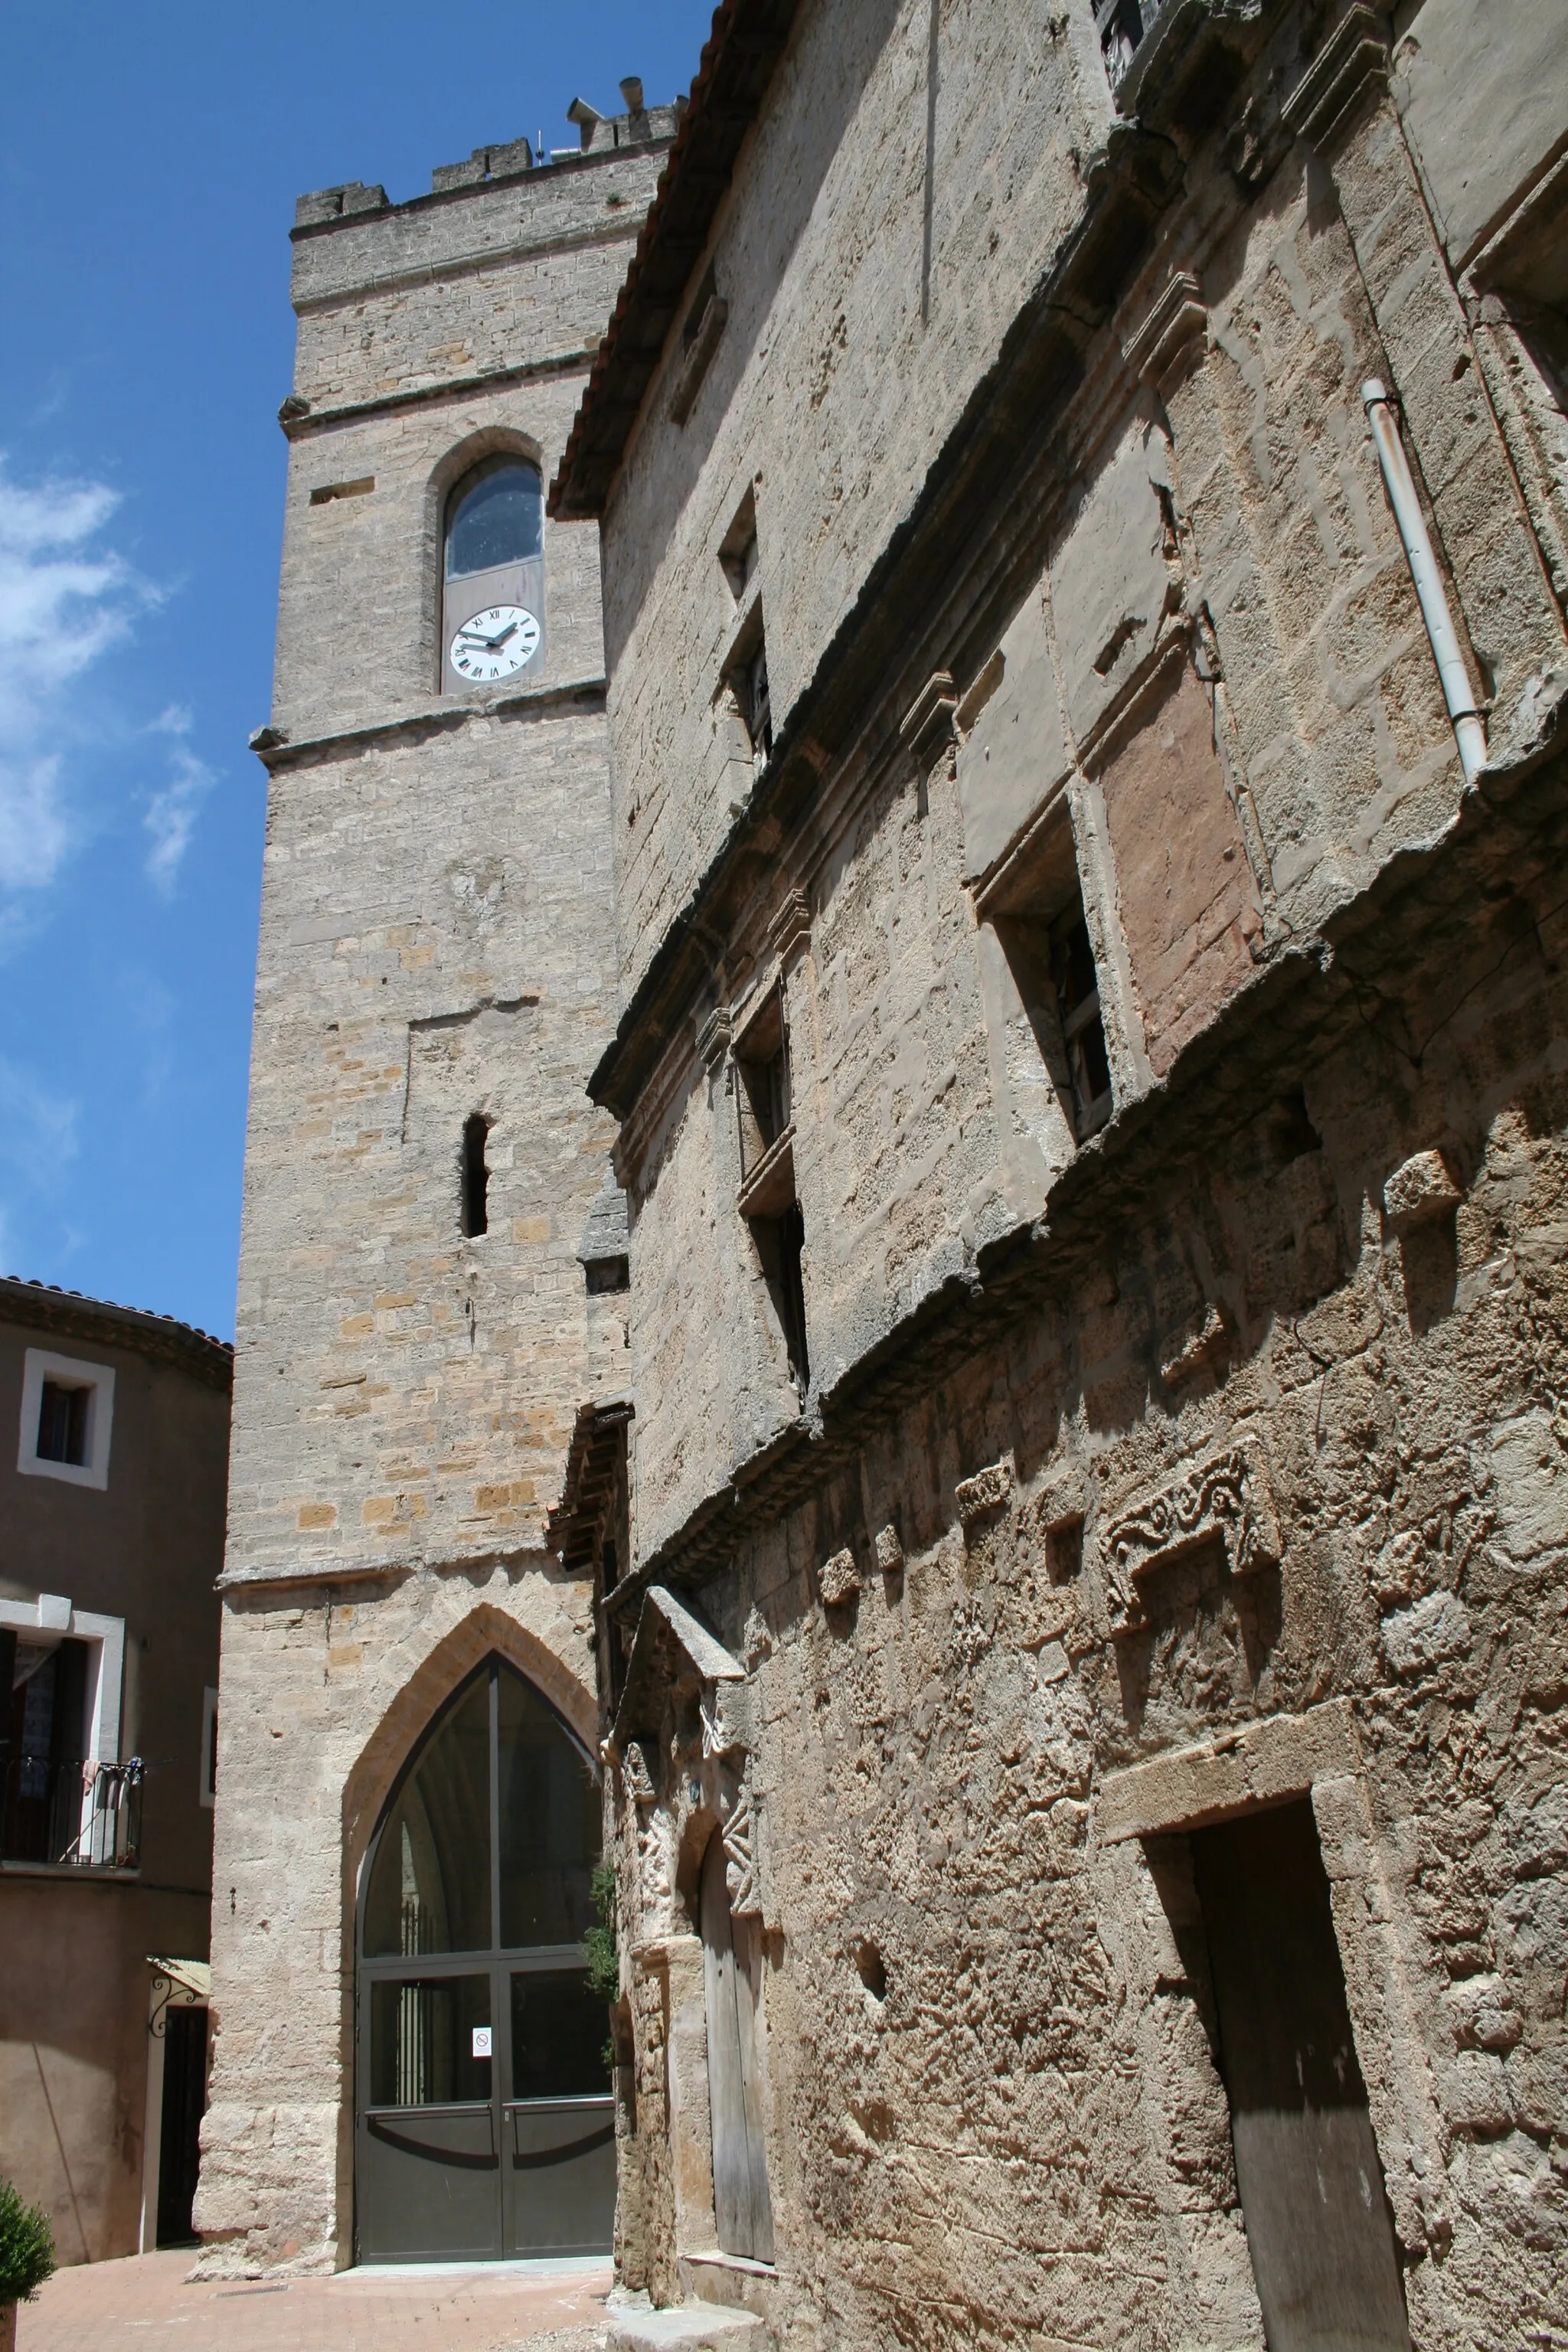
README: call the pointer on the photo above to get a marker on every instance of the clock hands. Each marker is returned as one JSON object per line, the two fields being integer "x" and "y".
{"x": 472, "y": 637}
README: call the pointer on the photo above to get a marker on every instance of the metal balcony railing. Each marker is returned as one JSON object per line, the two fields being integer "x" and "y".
{"x": 69, "y": 1815}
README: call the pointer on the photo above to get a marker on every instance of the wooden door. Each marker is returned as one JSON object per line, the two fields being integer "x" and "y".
{"x": 1318, "y": 2224}
{"x": 742, "y": 2206}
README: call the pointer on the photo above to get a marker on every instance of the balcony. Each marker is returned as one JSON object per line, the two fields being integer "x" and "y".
{"x": 68, "y": 1816}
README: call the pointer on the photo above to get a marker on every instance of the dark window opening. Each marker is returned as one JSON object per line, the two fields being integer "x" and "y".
{"x": 1056, "y": 1032}
{"x": 738, "y": 548}
{"x": 496, "y": 517}
{"x": 1122, "y": 25}
{"x": 607, "y": 1274}
{"x": 762, "y": 1092}
{"x": 45, "y": 1740}
{"x": 756, "y": 703}
{"x": 781, "y": 1246}
{"x": 1078, "y": 1001}
{"x": 1318, "y": 2225}
{"x": 476, "y": 1175}
{"x": 62, "y": 1423}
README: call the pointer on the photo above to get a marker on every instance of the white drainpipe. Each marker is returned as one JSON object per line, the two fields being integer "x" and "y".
{"x": 1469, "y": 730}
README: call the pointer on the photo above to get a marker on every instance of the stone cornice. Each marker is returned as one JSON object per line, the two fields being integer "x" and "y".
{"x": 298, "y": 424}
{"x": 277, "y": 752}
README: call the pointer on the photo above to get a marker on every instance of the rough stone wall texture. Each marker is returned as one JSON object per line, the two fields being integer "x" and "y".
{"x": 1172, "y": 662}
{"x": 1026, "y": 2132}
{"x": 435, "y": 942}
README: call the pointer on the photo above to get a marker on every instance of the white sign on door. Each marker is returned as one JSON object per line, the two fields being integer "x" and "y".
{"x": 481, "y": 2041}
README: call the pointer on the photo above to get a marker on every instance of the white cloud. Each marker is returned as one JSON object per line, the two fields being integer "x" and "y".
{"x": 61, "y": 606}
{"x": 171, "y": 813}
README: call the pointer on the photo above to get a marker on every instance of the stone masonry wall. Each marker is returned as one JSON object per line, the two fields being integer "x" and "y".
{"x": 841, "y": 366}
{"x": 1237, "y": 525}
{"x": 1025, "y": 2135}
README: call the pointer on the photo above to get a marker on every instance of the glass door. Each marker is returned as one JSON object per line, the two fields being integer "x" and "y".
{"x": 485, "y": 2126}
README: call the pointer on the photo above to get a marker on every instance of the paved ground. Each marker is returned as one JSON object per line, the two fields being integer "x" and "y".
{"x": 148, "y": 2305}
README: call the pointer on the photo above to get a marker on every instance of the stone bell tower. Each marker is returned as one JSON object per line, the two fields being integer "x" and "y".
{"x": 434, "y": 983}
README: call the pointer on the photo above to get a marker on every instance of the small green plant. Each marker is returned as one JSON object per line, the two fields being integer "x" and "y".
{"x": 26, "y": 2248}
{"x": 601, "y": 1954}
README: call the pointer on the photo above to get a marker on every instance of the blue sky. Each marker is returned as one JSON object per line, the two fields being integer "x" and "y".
{"x": 149, "y": 162}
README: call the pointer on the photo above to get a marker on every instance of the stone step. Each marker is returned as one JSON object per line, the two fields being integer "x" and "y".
{"x": 684, "y": 2328}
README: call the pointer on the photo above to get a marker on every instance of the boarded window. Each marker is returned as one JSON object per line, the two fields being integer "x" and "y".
{"x": 1318, "y": 2224}
{"x": 1188, "y": 899}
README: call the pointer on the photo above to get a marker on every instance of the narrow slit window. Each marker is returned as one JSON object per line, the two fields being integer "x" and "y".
{"x": 476, "y": 1175}
{"x": 62, "y": 1422}
{"x": 757, "y": 702}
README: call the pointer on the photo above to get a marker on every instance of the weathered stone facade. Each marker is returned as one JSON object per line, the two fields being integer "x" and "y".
{"x": 1090, "y": 1075}
{"x": 435, "y": 947}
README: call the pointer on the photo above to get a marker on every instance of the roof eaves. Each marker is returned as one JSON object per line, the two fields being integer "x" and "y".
{"x": 738, "y": 62}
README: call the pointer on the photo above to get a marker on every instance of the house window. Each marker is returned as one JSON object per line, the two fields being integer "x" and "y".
{"x": 758, "y": 708}
{"x": 1122, "y": 25}
{"x": 1059, "y": 1038}
{"x": 67, "y": 1409}
{"x": 1076, "y": 985}
{"x": 767, "y": 1196}
{"x": 62, "y": 1422}
{"x": 492, "y": 613}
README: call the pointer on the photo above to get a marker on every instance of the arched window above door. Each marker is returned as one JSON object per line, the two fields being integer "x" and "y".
{"x": 492, "y": 600}
{"x": 437, "y": 1877}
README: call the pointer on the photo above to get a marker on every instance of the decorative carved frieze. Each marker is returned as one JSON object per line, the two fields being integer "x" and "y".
{"x": 740, "y": 1836}
{"x": 639, "y": 1779}
{"x": 988, "y": 1491}
{"x": 1227, "y": 1496}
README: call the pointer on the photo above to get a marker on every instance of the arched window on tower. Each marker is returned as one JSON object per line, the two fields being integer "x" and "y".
{"x": 492, "y": 590}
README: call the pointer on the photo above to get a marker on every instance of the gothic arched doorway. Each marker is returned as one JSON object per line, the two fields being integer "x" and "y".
{"x": 485, "y": 2125}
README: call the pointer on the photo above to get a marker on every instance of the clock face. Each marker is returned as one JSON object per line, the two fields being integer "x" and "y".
{"x": 494, "y": 644}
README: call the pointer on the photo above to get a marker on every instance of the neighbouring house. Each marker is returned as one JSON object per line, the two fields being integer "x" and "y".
{"x": 114, "y": 1473}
